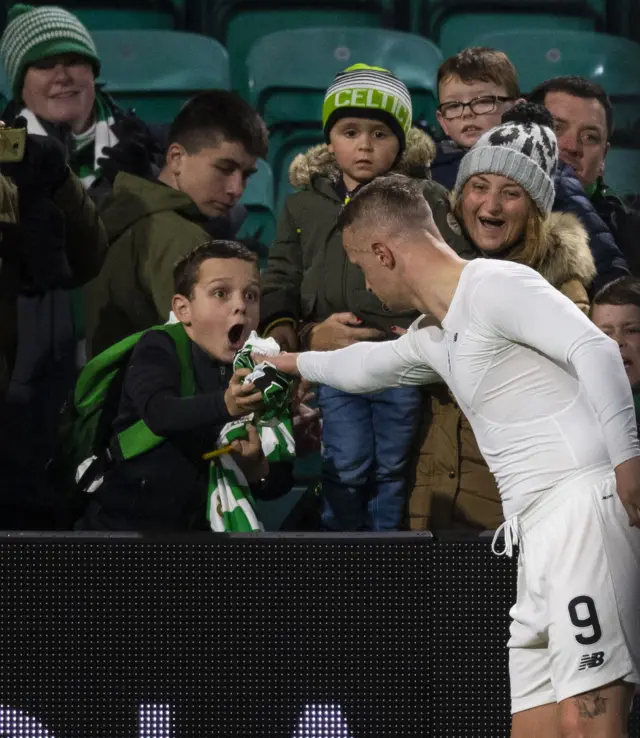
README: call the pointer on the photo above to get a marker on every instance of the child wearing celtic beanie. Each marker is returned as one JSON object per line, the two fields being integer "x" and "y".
{"x": 312, "y": 295}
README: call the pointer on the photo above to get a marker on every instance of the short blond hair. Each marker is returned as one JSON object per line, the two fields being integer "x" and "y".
{"x": 395, "y": 199}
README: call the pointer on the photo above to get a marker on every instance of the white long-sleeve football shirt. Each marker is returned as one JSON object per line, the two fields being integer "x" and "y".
{"x": 545, "y": 391}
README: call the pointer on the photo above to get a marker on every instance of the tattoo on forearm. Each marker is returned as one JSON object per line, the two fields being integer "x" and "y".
{"x": 591, "y": 704}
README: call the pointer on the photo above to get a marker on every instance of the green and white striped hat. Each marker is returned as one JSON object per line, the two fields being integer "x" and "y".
{"x": 35, "y": 33}
{"x": 362, "y": 91}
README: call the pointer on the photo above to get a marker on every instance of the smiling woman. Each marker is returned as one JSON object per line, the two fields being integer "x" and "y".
{"x": 51, "y": 63}
{"x": 503, "y": 199}
{"x": 504, "y": 190}
{"x": 61, "y": 89}
{"x": 496, "y": 212}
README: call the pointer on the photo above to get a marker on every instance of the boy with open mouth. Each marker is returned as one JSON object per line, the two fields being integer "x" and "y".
{"x": 217, "y": 296}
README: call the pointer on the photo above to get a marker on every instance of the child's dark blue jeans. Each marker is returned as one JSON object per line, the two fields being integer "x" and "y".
{"x": 367, "y": 442}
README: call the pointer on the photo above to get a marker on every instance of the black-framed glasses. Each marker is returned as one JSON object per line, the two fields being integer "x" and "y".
{"x": 478, "y": 106}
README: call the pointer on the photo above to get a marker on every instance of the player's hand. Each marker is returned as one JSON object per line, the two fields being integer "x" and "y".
{"x": 285, "y": 336}
{"x": 340, "y": 330}
{"x": 249, "y": 455}
{"x": 287, "y": 363}
{"x": 242, "y": 399}
{"x": 628, "y": 486}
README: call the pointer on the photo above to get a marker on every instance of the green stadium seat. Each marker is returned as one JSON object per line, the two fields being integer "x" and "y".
{"x": 5, "y": 90}
{"x": 155, "y": 72}
{"x": 238, "y": 24}
{"x": 289, "y": 71}
{"x": 282, "y": 151}
{"x": 117, "y": 14}
{"x": 622, "y": 171}
{"x": 611, "y": 61}
{"x": 453, "y": 24}
{"x": 258, "y": 198}
{"x": 116, "y": 18}
{"x": 421, "y": 12}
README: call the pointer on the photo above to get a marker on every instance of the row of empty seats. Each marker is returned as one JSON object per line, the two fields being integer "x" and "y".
{"x": 238, "y": 24}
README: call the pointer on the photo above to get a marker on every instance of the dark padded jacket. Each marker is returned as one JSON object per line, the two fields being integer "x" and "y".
{"x": 444, "y": 168}
{"x": 571, "y": 198}
{"x": 623, "y": 222}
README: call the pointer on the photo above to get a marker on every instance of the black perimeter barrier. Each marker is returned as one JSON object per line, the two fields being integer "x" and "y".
{"x": 275, "y": 635}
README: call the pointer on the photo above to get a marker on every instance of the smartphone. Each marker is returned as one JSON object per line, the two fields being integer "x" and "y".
{"x": 12, "y": 143}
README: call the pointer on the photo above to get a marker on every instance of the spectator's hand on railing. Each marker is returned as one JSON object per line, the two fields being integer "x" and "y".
{"x": 628, "y": 486}
{"x": 340, "y": 330}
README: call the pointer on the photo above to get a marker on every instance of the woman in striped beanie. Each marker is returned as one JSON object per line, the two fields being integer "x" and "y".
{"x": 51, "y": 63}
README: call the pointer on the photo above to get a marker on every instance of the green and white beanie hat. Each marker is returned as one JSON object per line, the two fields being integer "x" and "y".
{"x": 362, "y": 91}
{"x": 35, "y": 33}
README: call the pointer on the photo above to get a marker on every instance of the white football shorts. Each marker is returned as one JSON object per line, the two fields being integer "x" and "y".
{"x": 576, "y": 622}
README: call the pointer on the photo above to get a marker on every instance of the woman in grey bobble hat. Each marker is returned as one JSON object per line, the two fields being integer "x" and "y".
{"x": 502, "y": 200}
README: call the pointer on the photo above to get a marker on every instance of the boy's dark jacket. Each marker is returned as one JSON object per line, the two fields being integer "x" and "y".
{"x": 570, "y": 198}
{"x": 308, "y": 276}
{"x": 166, "y": 488}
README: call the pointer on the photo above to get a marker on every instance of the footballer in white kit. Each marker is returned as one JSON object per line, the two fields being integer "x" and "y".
{"x": 550, "y": 404}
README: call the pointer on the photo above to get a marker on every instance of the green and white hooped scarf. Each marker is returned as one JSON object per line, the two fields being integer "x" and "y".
{"x": 231, "y": 506}
{"x": 100, "y": 135}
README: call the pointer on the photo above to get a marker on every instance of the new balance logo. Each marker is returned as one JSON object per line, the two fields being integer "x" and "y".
{"x": 591, "y": 660}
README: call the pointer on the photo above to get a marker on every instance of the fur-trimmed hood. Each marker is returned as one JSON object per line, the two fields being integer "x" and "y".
{"x": 317, "y": 161}
{"x": 567, "y": 252}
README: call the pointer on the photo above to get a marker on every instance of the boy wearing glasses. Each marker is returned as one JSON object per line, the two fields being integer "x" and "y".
{"x": 475, "y": 87}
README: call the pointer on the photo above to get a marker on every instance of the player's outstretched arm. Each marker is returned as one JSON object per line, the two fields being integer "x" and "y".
{"x": 362, "y": 367}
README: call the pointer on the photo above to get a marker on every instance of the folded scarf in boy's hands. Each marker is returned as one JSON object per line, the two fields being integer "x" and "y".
{"x": 231, "y": 506}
